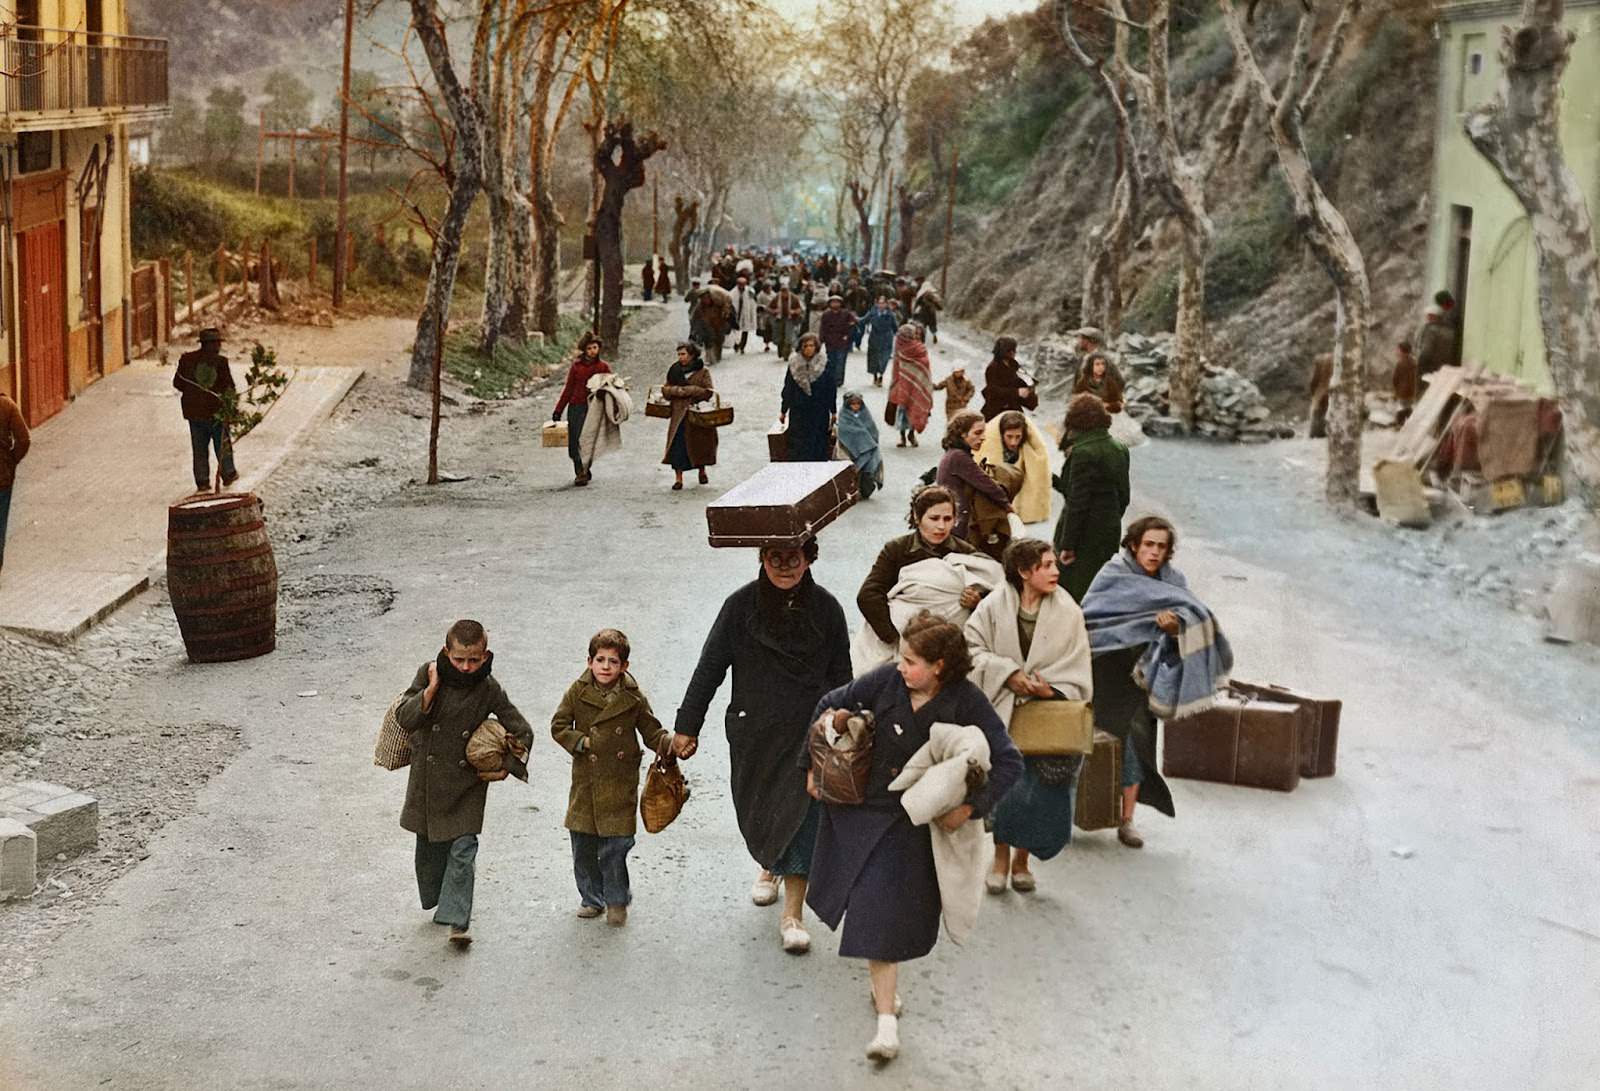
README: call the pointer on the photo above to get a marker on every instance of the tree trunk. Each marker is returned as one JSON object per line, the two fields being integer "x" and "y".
{"x": 546, "y": 225}
{"x": 1519, "y": 133}
{"x": 441, "y": 278}
{"x": 466, "y": 166}
{"x": 1180, "y": 183}
{"x": 684, "y": 218}
{"x": 862, "y": 200}
{"x": 1326, "y": 232}
{"x": 619, "y": 177}
{"x": 910, "y": 205}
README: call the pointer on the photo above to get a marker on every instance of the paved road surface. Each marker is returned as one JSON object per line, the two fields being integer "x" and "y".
{"x": 272, "y": 940}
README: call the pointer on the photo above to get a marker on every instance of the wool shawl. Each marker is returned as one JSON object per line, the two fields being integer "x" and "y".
{"x": 1032, "y": 502}
{"x": 1182, "y": 673}
{"x": 858, "y": 435}
{"x": 609, "y": 406}
{"x": 1059, "y": 653}
{"x": 911, "y": 387}
{"x": 933, "y": 585}
{"x": 933, "y": 783}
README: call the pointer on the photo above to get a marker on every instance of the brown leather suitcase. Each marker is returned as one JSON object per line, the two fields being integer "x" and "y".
{"x": 1242, "y": 740}
{"x": 783, "y": 504}
{"x": 1099, "y": 805}
{"x": 1319, "y": 744}
{"x": 778, "y": 443}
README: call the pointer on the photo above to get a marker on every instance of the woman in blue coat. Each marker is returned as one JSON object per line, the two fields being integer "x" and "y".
{"x": 872, "y": 868}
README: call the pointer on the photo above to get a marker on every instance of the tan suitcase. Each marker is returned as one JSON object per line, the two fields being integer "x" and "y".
{"x": 1099, "y": 804}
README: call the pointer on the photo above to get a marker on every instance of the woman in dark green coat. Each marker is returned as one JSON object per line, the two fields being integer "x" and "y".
{"x": 1095, "y": 482}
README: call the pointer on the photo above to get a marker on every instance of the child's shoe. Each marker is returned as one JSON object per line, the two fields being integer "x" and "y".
{"x": 459, "y": 936}
{"x": 588, "y": 912}
{"x": 616, "y": 915}
{"x": 885, "y": 1045}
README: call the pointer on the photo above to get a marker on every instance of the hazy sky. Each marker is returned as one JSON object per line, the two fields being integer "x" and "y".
{"x": 967, "y": 12}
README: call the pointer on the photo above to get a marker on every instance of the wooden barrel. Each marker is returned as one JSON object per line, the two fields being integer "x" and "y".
{"x": 222, "y": 577}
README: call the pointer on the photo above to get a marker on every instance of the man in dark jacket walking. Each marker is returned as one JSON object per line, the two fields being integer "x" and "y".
{"x": 202, "y": 378}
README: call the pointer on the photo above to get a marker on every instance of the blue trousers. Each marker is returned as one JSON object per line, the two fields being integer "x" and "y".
{"x": 600, "y": 864}
{"x": 204, "y": 436}
{"x": 836, "y": 362}
{"x": 5, "y": 514}
{"x": 444, "y": 877}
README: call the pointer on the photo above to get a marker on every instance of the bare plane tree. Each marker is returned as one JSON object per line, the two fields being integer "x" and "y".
{"x": 1519, "y": 133}
{"x": 1322, "y": 225}
{"x": 620, "y": 160}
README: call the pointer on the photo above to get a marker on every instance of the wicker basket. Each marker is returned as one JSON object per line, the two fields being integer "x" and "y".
{"x": 716, "y": 417}
{"x": 394, "y": 745}
{"x": 554, "y": 434}
{"x": 657, "y": 405}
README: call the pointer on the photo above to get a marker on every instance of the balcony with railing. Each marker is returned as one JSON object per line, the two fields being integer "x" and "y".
{"x": 51, "y": 78}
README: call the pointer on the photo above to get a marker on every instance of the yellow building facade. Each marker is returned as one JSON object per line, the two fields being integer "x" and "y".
{"x": 71, "y": 85}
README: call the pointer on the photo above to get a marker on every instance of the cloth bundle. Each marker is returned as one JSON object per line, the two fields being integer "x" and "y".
{"x": 610, "y": 405}
{"x": 938, "y": 779}
{"x": 934, "y": 585}
{"x": 1181, "y": 673}
{"x": 488, "y": 746}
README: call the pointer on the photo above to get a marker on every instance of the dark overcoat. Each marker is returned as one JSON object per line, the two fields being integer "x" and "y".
{"x": 603, "y": 739}
{"x": 872, "y": 868}
{"x": 702, "y": 442}
{"x": 1122, "y": 708}
{"x": 444, "y": 797}
{"x": 1094, "y": 481}
{"x": 810, "y": 417}
{"x": 777, "y": 678}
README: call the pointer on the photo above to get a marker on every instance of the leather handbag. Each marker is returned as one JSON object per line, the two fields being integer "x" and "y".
{"x": 841, "y": 764}
{"x": 394, "y": 745}
{"x": 1053, "y": 728}
{"x": 665, "y": 793}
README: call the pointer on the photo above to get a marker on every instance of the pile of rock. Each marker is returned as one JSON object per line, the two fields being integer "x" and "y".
{"x": 1230, "y": 406}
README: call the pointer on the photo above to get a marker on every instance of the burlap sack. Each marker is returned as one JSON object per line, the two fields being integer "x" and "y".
{"x": 487, "y": 748}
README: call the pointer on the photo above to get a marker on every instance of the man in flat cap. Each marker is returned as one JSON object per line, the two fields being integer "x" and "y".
{"x": 201, "y": 379}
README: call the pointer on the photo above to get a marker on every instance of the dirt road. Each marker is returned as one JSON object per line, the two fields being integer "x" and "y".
{"x": 1426, "y": 919}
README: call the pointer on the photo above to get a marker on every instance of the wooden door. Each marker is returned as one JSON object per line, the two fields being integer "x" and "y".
{"x": 43, "y": 288}
{"x": 89, "y": 236}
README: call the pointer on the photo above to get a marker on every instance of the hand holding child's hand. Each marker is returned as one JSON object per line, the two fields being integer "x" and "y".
{"x": 685, "y": 745}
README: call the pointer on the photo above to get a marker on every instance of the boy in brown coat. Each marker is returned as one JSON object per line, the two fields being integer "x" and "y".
{"x": 958, "y": 391}
{"x": 602, "y": 717}
{"x": 445, "y": 796}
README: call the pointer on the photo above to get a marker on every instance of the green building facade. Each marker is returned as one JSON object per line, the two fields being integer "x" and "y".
{"x": 1479, "y": 242}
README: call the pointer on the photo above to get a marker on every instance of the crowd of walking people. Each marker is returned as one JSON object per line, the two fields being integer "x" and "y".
{"x": 969, "y": 623}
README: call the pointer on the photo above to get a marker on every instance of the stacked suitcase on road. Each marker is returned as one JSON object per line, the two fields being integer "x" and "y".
{"x": 1256, "y": 737}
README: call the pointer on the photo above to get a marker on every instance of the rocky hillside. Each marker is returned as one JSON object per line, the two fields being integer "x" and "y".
{"x": 1018, "y": 266}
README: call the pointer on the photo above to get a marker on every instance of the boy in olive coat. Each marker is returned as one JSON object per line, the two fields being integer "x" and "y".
{"x": 602, "y": 717}
{"x": 445, "y": 796}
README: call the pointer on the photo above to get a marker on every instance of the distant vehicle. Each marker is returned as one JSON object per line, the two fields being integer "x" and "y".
{"x": 807, "y": 246}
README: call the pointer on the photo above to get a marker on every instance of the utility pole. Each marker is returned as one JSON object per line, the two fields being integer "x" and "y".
{"x": 261, "y": 146}
{"x": 655, "y": 218}
{"x": 341, "y": 234}
{"x": 949, "y": 229}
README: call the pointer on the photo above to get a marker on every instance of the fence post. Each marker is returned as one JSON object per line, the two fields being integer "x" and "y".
{"x": 188, "y": 281}
{"x": 166, "y": 292}
{"x": 261, "y": 146}
{"x": 221, "y": 278}
{"x": 311, "y": 277}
